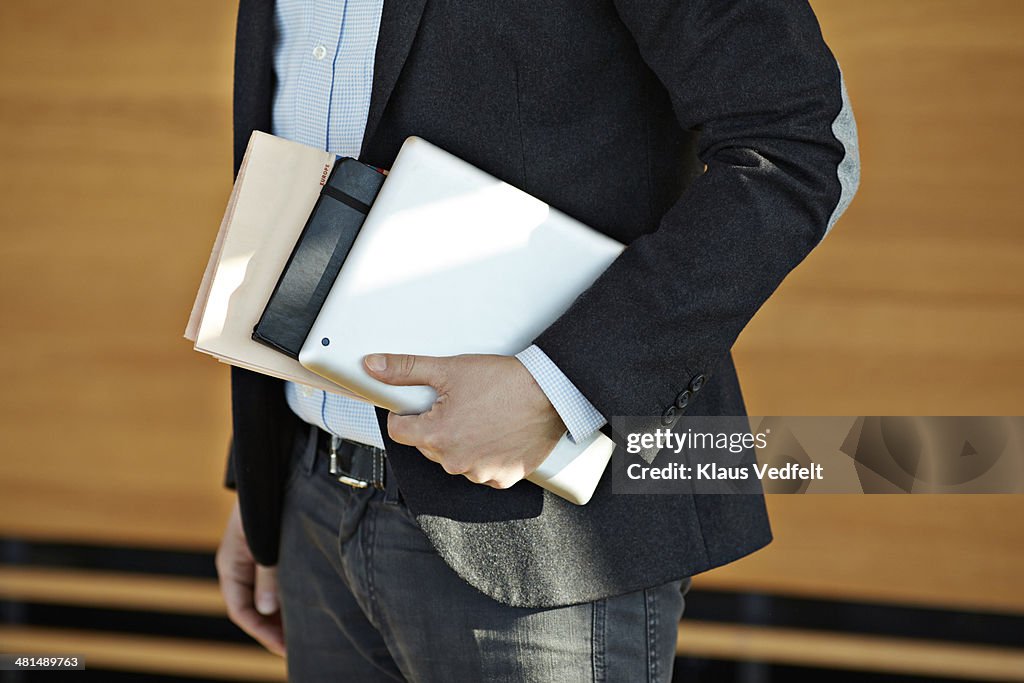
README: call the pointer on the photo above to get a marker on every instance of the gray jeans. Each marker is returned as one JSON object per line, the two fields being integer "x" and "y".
{"x": 366, "y": 598}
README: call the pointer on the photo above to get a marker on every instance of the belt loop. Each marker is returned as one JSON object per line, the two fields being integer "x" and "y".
{"x": 378, "y": 470}
{"x": 391, "y": 492}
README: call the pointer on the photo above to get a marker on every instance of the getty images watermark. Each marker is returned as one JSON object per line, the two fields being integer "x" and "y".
{"x": 716, "y": 455}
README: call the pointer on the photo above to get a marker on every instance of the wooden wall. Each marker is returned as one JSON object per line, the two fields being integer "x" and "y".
{"x": 115, "y": 125}
{"x": 914, "y": 305}
{"x": 115, "y": 165}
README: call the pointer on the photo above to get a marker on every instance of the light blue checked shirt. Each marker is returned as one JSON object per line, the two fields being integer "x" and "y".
{"x": 324, "y": 64}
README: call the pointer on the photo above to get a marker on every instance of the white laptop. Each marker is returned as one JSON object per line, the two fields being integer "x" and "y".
{"x": 451, "y": 260}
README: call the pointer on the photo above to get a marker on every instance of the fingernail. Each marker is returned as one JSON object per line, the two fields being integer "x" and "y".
{"x": 377, "y": 362}
{"x": 266, "y": 603}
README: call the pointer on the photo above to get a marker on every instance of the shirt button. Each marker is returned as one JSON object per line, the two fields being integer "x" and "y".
{"x": 683, "y": 399}
{"x": 319, "y": 52}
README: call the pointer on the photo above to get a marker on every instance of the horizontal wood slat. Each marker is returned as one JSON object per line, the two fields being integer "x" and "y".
{"x": 121, "y": 590}
{"x": 112, "y": 589}
{"x": 849, "y": 651}
{"x": 173, "y": 656}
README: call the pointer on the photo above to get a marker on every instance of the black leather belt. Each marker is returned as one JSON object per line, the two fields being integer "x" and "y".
{"x": 354, "y": 464}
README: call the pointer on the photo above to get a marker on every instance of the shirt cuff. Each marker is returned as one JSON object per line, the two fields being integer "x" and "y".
{"x": 581, "y": 418}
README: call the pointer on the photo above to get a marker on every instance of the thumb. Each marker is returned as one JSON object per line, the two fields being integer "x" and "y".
{"x": 265, "y": 590}
{"x": 401, "y": 369}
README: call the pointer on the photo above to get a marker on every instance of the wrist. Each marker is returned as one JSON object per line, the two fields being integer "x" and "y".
{"x": 536, "y": 400}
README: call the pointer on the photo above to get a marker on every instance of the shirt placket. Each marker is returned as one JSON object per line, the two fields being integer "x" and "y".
{"x": 317, "y": 78}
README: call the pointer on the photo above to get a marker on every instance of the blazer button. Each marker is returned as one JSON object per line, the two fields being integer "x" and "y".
{"x": 697, "y": 383}
{"x": 683, "y": 399}
{"x": 669, "y": 416}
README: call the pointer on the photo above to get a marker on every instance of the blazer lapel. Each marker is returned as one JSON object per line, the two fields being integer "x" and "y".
{"x": 398, "y": 23}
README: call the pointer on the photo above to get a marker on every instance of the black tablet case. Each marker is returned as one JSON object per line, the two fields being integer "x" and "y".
{"x": 318, "y": 256}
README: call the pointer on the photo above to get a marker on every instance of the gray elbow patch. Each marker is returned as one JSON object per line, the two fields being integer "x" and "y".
{"x": 844, "y": 128}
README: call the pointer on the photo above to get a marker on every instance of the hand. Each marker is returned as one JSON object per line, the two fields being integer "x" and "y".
{"x": 249, "y": 589}
{"x": 491, "y": 422}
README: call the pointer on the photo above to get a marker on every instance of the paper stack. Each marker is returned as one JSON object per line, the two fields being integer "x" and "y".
{"x": 277, "y": 185}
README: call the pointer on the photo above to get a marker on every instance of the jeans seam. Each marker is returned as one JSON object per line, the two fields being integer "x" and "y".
{"x": 370, "y": 519}
{"x": 349, "y": 575}
{"x": 598, "y": 642}
{"x": 651, "y": 609}
{"x": 340, "y": 549}
{"x": 376, "y": 616}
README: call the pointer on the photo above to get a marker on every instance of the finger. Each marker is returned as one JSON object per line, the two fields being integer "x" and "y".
{"x": 477, "y": 477}
{"x": 401, "y": 369}
{"x": 411, "y": 430}
{"x": 266, "y": 590}
{"x": 237, "y": 594}
{"x": 500, "y": 484}
{"x": 268, "y": 631}
{"x": 236, "y": 575}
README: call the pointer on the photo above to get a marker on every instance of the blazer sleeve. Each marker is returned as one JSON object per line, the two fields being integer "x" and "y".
{"x": 230, "y": 481}
{"x": 756, "y": 80}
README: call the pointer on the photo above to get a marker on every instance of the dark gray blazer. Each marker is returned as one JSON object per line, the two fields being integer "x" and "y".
{"x": 609, "y": 110}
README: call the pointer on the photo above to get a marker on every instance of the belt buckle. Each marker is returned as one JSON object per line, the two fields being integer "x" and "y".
{"x": 343, "y": 478}
{"x": 353, "y": 482}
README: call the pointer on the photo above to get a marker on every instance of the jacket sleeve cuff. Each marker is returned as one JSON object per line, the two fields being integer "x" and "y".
{"x": 581, "y": 418}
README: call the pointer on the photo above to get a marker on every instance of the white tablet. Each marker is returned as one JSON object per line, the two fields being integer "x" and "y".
{"x": 451, "y": 260}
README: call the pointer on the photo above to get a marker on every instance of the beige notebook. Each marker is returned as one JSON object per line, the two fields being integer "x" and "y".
{"x": 277, "y": 185}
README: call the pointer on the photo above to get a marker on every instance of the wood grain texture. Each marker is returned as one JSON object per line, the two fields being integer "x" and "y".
{"x": 149, "y": 654}
{"x": 115, "y": 145}
{"x": 914, "y": 305}
{"x": 905, "y": 656}
{"x": 112, "y": 590}
{"x": 115, "y": 165}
